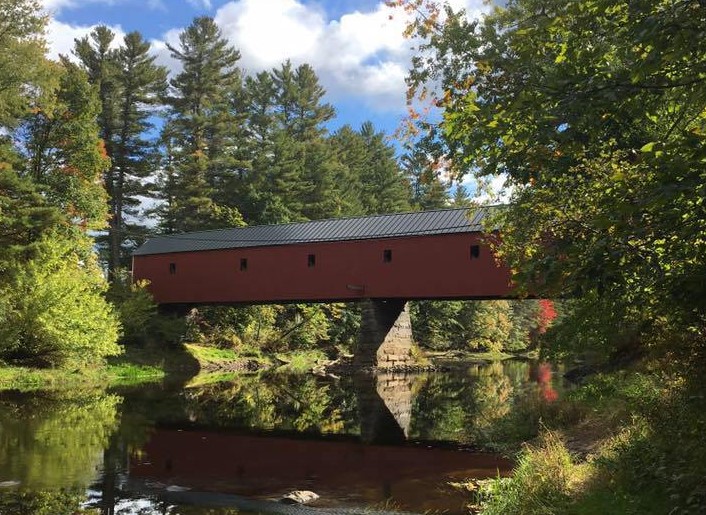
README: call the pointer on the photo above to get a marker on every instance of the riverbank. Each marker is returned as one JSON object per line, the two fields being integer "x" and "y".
{"x": 150, "y": 363}
{"x": 629, "y": 442}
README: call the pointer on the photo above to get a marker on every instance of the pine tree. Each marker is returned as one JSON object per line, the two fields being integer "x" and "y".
{"x": 385, "y": 189}
{"x": 428, "y": 190}
{"x": 257, "y": 202}
{"x": 129, "y": 83}
{"x": 201, "y": 128}
{"x": 352, "y": 157}
{"x": 302, "y": 172}
{"x": 135, "y": 157}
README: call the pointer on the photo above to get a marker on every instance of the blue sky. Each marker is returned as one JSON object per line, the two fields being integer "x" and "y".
{"x": 355, "y": 46}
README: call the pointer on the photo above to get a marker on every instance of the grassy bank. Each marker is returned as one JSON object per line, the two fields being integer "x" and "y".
{"x": 150, "y": 363}
{"x": 626, "y": 443}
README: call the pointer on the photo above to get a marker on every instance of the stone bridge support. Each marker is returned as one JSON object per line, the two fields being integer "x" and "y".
{"x": 385, "y": 339}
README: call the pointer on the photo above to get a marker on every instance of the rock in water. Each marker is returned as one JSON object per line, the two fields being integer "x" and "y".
{"x": 299, "y": 497}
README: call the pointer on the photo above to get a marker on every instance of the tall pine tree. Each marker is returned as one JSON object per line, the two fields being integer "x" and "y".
{"x": 201, "y": 129}
{"x": 129, "y": 85}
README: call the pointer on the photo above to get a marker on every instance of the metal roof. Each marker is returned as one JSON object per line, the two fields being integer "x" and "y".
{"x": 442, "y": 221}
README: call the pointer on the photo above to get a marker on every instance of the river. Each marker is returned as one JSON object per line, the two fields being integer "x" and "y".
{"x": 228, "y": 443}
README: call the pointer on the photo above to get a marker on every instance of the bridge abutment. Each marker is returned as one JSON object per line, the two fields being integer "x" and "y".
{"x": 385, "y": 339}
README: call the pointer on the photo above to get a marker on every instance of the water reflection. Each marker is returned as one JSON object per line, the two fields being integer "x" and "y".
{"x": 51, "y": 447}
{"x": 359, "y": 440}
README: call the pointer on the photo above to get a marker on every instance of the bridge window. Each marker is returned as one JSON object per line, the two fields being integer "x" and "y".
{"x": 387, "y": 256}
{"x": 172, "y": 268}
{"x": 475, "y": 251}
{"x": 311, "y": 260}
{"x": 243, "y": 264}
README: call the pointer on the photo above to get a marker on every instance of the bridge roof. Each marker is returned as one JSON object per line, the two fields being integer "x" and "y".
{"x": 420, "y": 223}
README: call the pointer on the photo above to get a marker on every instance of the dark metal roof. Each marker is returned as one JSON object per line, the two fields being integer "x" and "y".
{"x": 443, "y": 221}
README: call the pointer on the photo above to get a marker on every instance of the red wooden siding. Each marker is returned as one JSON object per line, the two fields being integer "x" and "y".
{"x": 421, "y": 267}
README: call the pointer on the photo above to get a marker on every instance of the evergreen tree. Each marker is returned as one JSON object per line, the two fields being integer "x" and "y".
{"x": 428, "y": 190}
{"x": 352, "y": 157}
{"x": 385, "y": 190}
{"x": 128, "y": 82}
{"x": 259, "y": 205}
{"x": 302, "y": 172}
{"x": 201, "y": 128}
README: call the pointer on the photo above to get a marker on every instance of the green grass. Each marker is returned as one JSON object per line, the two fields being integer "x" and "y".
{"x": 638, "y": 438}
{"x": 211, "y": 354}
{"x": 130, "y": 373}
{"x": 30, "y": 379}
{"x": 301, "y": 361}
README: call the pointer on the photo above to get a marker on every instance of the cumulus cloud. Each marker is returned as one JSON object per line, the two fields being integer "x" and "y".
{"x": 61, "y": 36}
{"x": 361, "y": 55}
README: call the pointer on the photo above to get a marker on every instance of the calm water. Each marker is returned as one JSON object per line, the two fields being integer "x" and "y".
{"x": 215, "y": 444}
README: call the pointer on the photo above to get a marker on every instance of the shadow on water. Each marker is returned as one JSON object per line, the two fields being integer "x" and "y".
{"x": 180, "y": 448}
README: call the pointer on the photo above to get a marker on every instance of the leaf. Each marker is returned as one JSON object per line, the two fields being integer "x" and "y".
{"x": 648, "y": 147}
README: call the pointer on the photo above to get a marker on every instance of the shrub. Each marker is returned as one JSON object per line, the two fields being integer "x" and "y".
{"x": 54, "y": 313}
{"x": 541, "y": 482}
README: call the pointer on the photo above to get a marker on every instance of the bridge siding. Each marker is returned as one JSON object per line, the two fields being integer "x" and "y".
{"x": 422, "y": 267}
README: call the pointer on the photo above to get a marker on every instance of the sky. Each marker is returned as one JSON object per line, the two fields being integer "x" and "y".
{"x": 355, "y": 46}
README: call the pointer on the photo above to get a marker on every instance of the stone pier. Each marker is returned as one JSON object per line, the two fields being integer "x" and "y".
{"x": 385, "y": 339}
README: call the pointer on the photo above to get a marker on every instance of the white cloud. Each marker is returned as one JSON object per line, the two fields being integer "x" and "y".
{"x": 269, "y": 32}
{"x": 54, "y": 6}
{"x": 198, "y": 4}
{"x": 361, "y": 55}
{"x": 61, "y": 36}
{"x": 489, "y": 190}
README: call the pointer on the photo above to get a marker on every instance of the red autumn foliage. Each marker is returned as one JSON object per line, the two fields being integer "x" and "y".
{"x": 545, "y": 316}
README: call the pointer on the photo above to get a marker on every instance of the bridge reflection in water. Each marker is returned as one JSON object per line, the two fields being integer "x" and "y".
{"x": 379, "y": 466}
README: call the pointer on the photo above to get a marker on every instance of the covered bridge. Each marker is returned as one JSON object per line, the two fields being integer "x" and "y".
{"x": 422, "y": 255}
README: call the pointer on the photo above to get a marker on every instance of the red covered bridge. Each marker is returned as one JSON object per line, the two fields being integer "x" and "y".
{"x": 393, "y": 258}
{"x": 423, "y": 255}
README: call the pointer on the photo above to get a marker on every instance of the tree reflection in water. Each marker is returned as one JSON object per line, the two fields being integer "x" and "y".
{"x": 51, "y": 447}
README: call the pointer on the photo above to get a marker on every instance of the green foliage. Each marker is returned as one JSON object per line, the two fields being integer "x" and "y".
{"x": 64, "y": 154}
{"x": 65, "y": 501}
{"x": 486, "y": 326}
{"x": 594, "y": 111}
{"x": 141, "y": 322}
{"x": 24, "y": 217}
{"x": 541, "y": 482}
{"x": 26, "y": 76}
{"x": 53, "y": 312}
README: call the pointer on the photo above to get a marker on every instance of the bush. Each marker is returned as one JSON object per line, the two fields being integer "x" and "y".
{"x": 53, "y": 311}
{"x": 541, "y": 482}
{"x": 141, "y": 321}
